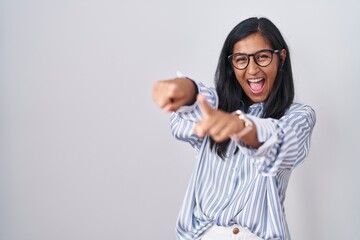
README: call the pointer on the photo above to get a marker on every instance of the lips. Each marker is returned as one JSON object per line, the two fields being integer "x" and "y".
{"x": 256, "y": 85}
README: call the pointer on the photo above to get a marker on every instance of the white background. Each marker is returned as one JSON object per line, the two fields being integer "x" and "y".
{"x": 84, "y": 152}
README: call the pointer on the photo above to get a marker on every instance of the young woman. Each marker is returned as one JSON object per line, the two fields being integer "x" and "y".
{"x": 248, "y": 133}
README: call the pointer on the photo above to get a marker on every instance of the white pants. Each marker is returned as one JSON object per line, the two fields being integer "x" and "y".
{"x": 234, "y": 232}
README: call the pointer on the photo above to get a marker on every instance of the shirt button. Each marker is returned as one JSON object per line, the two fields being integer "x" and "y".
{"x": 236, "y": 230}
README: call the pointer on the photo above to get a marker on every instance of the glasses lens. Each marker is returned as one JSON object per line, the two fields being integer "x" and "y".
{"x": 240, "y": 61}
{"x": 263, "y": 58}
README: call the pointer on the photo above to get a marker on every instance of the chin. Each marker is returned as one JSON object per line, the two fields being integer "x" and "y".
{"x": 257, "y": 99}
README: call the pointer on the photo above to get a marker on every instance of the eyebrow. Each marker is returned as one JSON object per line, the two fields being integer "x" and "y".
{"x": 253, "y": 52}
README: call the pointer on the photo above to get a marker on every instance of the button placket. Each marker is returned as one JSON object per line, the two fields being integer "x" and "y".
{"x": 236, "y": 233}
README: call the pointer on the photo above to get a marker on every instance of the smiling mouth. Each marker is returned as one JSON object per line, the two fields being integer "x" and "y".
{"x": 256, "y": 85}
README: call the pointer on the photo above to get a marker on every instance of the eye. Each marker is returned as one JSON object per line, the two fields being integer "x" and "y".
{"x": 240, "y": 58}
{"x": 263, "y": 56}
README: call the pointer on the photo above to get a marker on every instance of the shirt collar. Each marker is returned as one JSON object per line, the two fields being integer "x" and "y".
{"x": 256, "y": 108}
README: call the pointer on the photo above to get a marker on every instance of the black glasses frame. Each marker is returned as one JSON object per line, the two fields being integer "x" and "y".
{"x": 253, "y": 55}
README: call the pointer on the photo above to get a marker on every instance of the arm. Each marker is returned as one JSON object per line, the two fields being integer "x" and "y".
{"x": 272, "y": 144}
{"x": 285, "y": 142}
{"x": 179, "y": 95}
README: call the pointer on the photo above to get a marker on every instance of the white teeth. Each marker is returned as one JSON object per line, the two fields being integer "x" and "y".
{"x": 255, "y": 80}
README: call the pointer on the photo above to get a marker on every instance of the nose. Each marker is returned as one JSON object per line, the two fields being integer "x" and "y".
{"x": 252, "y": 68}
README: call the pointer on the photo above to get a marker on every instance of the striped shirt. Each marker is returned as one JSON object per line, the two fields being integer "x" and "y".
{"x": 247, "y": 187}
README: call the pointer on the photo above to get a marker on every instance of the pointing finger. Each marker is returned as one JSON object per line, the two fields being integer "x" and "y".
{"x": 204, "y": 105}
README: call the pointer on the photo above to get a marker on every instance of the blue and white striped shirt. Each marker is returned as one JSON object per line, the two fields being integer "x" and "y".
{"x": 247, "y": 187}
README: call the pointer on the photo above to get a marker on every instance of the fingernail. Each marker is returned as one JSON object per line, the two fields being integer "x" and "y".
{"x": 166, "y": 109}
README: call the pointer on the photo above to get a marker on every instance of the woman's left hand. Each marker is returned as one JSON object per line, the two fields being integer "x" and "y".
{"x": 218, "y": 124}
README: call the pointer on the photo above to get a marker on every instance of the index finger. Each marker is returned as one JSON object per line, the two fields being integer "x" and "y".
{"x": 204, "y": 105}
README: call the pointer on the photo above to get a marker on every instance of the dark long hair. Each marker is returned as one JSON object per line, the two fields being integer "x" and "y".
{"x": 231, "y": 95}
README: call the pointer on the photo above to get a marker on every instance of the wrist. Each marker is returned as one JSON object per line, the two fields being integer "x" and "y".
{"x": 193, "y": 91}
{"x": 247, "y": 126}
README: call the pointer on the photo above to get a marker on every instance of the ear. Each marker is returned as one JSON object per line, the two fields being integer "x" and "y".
{"x": 282, "y": 55}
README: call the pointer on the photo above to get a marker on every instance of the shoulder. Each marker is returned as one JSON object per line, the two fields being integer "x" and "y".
{"x": 301, "y": 111}
{"x": 298, "y": 108}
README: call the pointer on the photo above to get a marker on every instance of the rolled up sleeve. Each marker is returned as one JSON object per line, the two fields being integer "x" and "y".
{"x": 184, "y": 119}
{"x": 285, "y": 142}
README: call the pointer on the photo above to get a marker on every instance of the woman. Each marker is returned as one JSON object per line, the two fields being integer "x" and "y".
{"x": 248, "y": 133}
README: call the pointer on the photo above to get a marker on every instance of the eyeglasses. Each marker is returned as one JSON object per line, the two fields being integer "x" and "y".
{"x": 262, "y": 58}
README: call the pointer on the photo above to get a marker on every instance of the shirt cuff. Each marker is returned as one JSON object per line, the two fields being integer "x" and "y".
{"x": 267, "y": 134}
{"x": 189, "y": 108}
{"x": 185, "y": 109}
{"x": 265, "y": 127}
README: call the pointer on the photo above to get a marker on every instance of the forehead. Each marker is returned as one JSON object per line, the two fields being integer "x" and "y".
{"x": 252, "y": 43}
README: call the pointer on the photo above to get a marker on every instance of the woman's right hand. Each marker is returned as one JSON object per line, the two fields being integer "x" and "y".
{"x": 171, "y": 94}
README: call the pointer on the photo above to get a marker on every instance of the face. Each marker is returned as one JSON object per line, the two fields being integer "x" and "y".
{"x": 257, "y": 81}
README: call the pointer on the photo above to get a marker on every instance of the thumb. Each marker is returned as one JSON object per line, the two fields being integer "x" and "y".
{"x": 204, "y": 105}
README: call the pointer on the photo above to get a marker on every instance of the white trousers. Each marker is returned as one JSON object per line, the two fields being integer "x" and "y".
{"x": 234, "y": 232}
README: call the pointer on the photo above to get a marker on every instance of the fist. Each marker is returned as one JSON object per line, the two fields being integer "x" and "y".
{"x": 170, "y": 95}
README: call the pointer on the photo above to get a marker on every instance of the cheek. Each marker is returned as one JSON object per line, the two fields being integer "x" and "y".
{"x": 240, "y": 76}
{"x": 274, "y": 69}
{"x": 272, "y": 74}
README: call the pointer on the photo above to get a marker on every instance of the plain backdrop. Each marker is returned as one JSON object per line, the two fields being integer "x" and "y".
{"x": 84, "y": 152}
